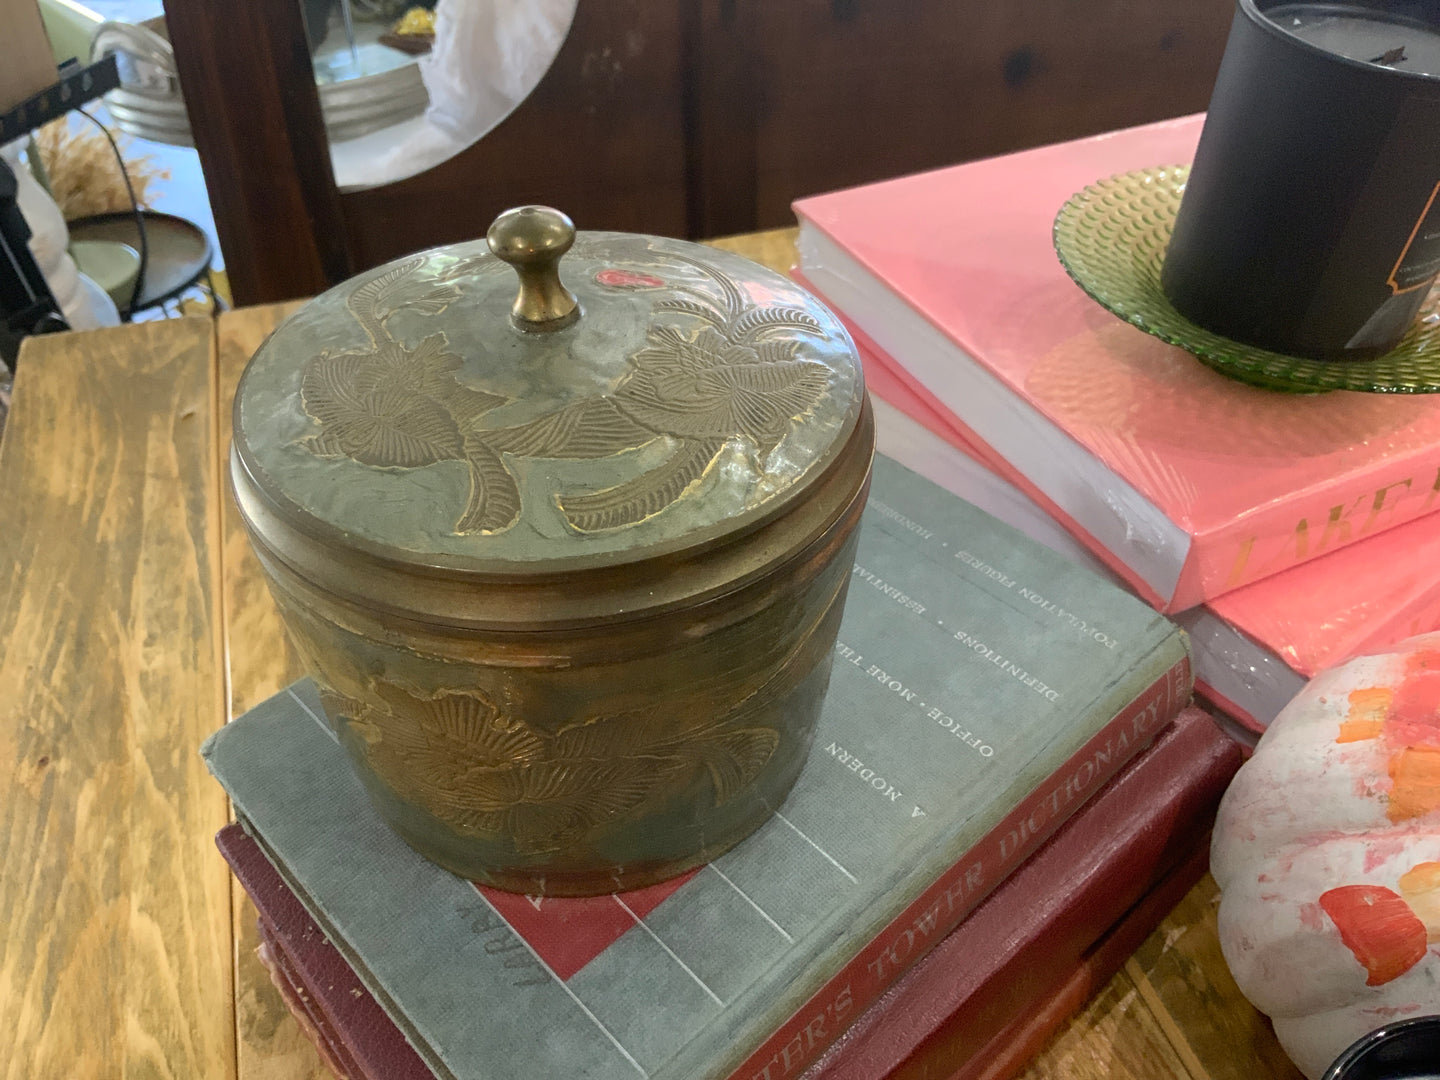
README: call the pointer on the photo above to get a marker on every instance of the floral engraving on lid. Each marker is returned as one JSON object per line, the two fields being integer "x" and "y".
{"x": 726, "y": 369}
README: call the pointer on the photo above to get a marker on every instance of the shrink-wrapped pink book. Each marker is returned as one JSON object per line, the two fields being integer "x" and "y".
{"x": 1188, "y": 484}
{"x": 1253, "y": 648}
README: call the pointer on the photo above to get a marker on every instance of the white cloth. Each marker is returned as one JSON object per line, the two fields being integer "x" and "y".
{"x": 488, "y": 56}
{"x": 84, "y": 304}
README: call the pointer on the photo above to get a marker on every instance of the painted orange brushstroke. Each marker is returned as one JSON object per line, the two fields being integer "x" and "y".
{"x": 1415, "y": 783}
{"x": 1358, "y": 730}
{"x": 1366, "y": 718}
{"x": 1420, "y": 886}
{"x": 1407, "y": 718}
{"x": 1377, "y": 925}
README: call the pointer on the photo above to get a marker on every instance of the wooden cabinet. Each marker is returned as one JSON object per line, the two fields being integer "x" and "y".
{"x": 681, "y": 117}
{"x": 802, "y": 96}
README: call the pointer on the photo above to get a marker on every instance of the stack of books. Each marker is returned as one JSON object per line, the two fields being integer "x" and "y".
{"x": 1006, "y": 791}
{"x": 1285, "y": 532}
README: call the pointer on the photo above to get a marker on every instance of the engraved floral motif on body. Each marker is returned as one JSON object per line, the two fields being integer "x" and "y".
{"x": 717, "y": 369}
{"x": 549, "y": 761}
{"x": 483, "y": 772}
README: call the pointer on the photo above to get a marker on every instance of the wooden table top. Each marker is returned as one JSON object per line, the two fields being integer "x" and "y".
{"x": 134, "y": 622}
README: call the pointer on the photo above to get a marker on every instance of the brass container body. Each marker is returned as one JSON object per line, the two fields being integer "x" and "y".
{"x": 594, "y": 759}
{"x": 567, "y": 564}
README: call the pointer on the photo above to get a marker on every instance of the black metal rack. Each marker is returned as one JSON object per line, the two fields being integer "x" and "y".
{"x": 78, "y": 85}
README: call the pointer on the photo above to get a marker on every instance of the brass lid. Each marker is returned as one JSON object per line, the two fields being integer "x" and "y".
{"x": 654, "y": 397}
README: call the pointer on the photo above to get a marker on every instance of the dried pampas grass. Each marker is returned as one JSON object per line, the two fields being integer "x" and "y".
{"x": 82, "y": 172}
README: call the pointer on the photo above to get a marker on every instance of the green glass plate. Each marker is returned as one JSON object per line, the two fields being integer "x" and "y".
{"x": 1111, "y": 238}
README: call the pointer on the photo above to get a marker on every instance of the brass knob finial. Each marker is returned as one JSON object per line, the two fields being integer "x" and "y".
{"x": 532, "y": 239}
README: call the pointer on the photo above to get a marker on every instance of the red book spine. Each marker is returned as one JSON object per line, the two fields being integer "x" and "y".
{"x": 356, "y": 1030}
{"x": 942, "y": 906}
{"x": 1020, "y": 946}
{"x": 313, "y": 1020}
{"x": 1012, "y": 1047}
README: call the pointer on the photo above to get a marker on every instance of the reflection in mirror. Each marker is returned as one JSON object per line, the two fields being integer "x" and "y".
{"x": 402, "y": 87}
{"x": 364, "y": 85}
{"x": 484, "y": 57}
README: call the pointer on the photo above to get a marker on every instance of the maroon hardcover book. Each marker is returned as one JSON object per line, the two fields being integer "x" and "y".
{"x": 353, "y": 1033}
{"x": 1010, "y": 1049}
{"x": 1027, "y": 938}
{"x": 1035, "y": 947}
{"x": 307, "y": 1011}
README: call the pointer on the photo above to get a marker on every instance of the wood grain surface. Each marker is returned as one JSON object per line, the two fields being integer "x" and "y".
{"x": 269, "y": 1044}
{"x": 1183, "y": 978}
{"x": 116, "y": 946}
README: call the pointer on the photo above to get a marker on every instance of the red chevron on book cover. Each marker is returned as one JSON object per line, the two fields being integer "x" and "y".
{"x": 568, "y": 934}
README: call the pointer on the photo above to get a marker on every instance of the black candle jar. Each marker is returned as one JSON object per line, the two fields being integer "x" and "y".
{"x": 1310, "y": 224}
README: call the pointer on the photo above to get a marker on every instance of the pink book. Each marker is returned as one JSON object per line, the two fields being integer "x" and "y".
{"x": 1254, "y": 647}
{"x": 1188, "y": 484}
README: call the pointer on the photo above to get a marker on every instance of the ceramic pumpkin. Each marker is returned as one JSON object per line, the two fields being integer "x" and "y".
{"x": 1327, "y": 853}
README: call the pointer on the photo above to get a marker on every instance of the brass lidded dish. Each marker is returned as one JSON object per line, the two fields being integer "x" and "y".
{"x": 566, "y": 555}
